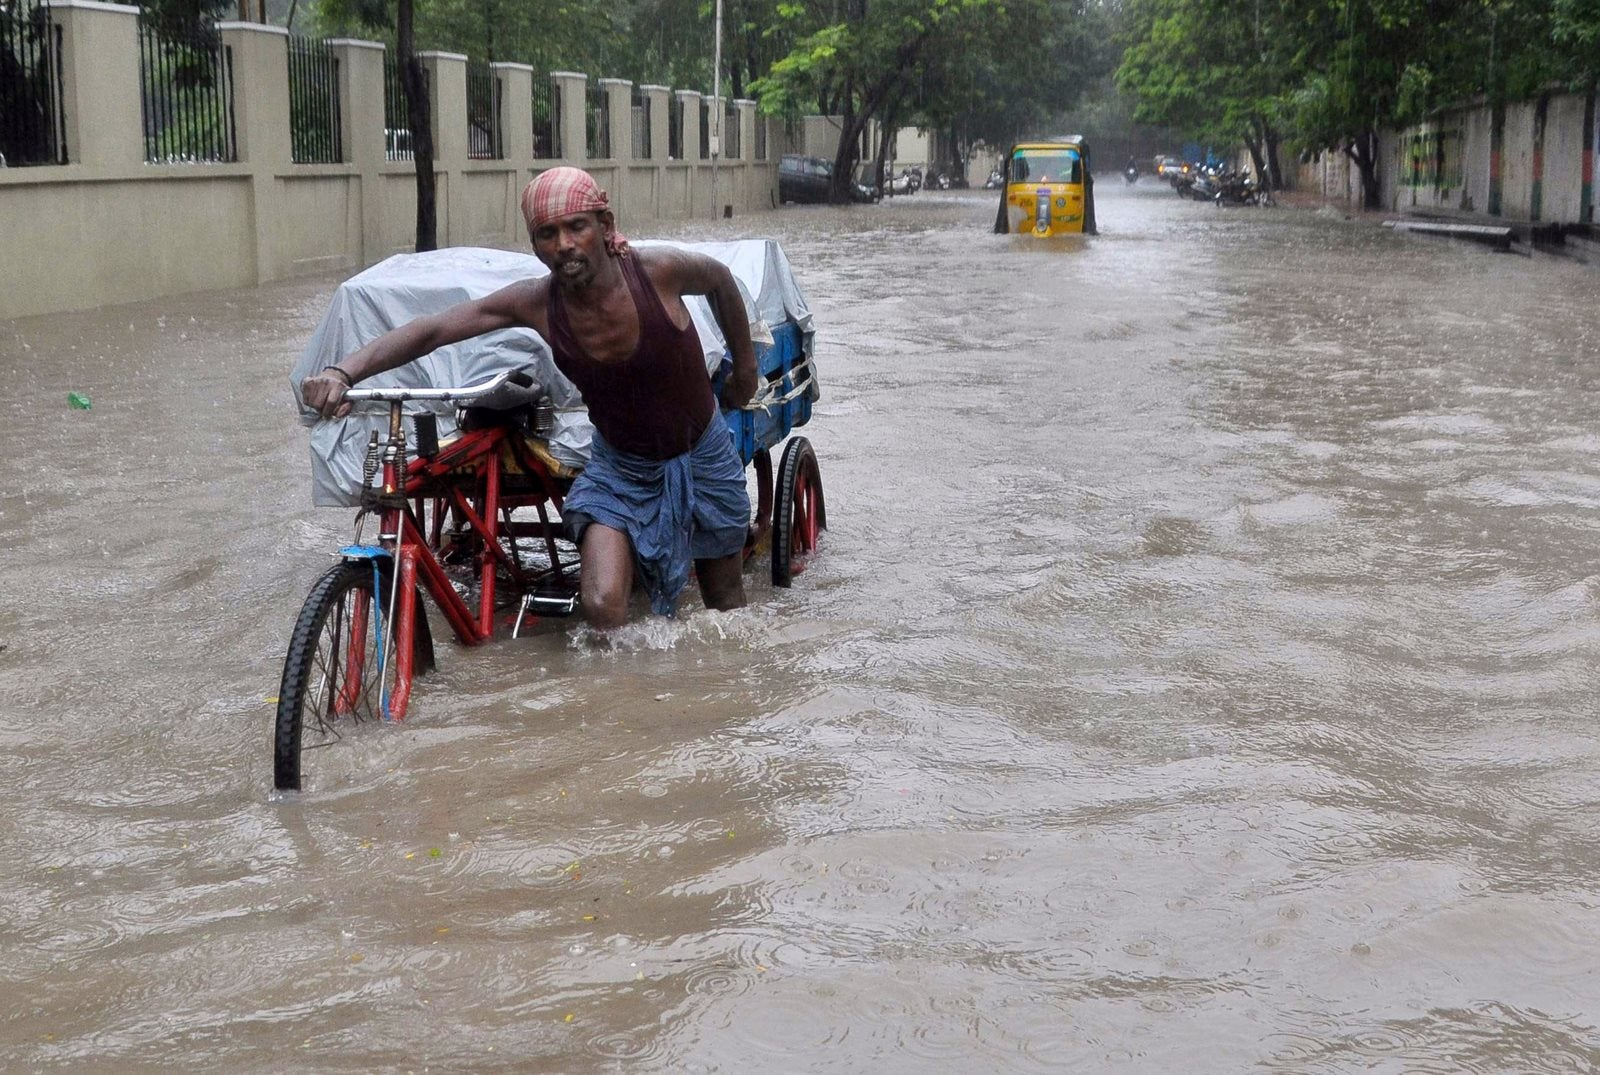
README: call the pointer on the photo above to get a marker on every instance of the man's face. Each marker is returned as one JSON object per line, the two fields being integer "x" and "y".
{"x": 572, "y": 246}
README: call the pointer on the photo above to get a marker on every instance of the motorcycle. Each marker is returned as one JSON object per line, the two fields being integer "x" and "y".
{"x": 904, "y": 183}
{"x": 1131, "y": 174}
{"x": 1205, "y": 184}
{"x": 1236, "y": 188}
{"x": 995, "y": 180}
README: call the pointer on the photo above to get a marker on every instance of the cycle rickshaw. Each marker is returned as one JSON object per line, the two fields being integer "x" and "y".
{"x": 467, "y": 500}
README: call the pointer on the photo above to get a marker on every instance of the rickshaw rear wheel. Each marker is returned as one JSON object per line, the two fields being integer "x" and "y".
{"x": 799, "y": 511}
{"x": 331, "y": 674}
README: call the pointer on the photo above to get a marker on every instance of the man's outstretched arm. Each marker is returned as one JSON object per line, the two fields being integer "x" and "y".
{"x": 324, "y": 391}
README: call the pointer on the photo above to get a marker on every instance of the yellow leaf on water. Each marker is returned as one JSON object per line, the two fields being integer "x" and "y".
{"x": 434, "y": 852}
{"x": 588, "y": 918}
{"x": 568, "y": 1019}
{"x": 272, "y": 700}
{"x": 411, "y": 854}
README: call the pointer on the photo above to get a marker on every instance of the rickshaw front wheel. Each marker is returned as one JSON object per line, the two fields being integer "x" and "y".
{"x": 799, "y": 511}
{"x": 331, "y": 675}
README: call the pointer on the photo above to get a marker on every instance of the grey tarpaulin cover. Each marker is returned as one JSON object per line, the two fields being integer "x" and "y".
{"x": 408, "y": 286}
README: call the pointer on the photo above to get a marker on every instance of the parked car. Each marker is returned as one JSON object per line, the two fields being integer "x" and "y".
{"x": 806, "y": 179}
{"x": 803, "y": 179}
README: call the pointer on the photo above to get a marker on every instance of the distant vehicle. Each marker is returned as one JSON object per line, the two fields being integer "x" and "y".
{"x": 1048, "y": 189}
{"x": 907, "y": 182}
{"x": 807, "y": 179}
{"x": 1167, "y": 167}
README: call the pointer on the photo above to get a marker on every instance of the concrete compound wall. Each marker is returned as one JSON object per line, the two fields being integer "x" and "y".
{"x": 1543, "y": 175}
{"x": 107, "y": 227}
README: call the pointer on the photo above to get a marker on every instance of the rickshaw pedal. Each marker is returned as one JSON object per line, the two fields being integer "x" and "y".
{"x": 545, "y": 603}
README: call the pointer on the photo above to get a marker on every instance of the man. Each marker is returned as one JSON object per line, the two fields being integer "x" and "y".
{"x": 664, "y": 485}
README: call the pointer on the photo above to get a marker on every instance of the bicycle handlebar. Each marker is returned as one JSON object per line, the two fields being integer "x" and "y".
{"x": 401, "y": 395}
{"x": 767, "y": 394}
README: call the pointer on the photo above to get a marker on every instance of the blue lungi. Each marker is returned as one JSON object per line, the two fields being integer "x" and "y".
{"x": 691, "y": 507}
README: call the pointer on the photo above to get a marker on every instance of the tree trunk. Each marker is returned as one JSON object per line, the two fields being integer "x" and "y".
{"x": 419, "y": 114}
{"x": 884, "y": 138}
{"x": 1270, "y": 140}
{"x": 1363, "y": 150}
{"x": 848, "y": 152}
{"x": 1252, "y": 142}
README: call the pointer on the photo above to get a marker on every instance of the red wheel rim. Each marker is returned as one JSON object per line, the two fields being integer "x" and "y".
{"x": 804, "y": 531}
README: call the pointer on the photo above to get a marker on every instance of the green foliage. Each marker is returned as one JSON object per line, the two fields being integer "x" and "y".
{"x": 658, "y": 41}
{"x": 978, "y": 69}
{"x": 1331, "y": 72}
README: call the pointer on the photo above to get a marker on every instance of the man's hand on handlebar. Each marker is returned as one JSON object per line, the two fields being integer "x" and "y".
{"x": 324, "y": 393}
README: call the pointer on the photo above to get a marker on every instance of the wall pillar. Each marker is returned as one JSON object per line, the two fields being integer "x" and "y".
{"x": 516, "y": 137}
{"x": 689, "y": 103}
{"x": 516, "y": 111}
{"x": 447, "y": 92}
{"x": 361, "y": 143}
{"x": 100, "y": 62}
{"x": 747, "y": 129}
{"x": 571, "y": 87}
{"x": 360, "y": 101}
{"x": 261, "y": 124}
{"x": 660, "y": 98}
{"x": 260, "y": 92}
{"x": 619, "y": 115}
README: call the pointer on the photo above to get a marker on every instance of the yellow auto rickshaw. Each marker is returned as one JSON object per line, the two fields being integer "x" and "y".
{"x": 1047, "y": 189}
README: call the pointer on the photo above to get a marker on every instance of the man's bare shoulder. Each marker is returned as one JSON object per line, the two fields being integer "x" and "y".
{"x": 677, "y": 271}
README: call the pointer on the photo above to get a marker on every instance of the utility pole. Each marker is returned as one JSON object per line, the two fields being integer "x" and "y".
{"x": 715, "y": 139}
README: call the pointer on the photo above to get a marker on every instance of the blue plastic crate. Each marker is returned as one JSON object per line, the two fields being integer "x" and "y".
{"x": 753, "y": 430}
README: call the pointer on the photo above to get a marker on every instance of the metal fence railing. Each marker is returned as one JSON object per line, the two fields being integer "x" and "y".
{"x": 186, "y": 95}
{"x": 32, "y": 121}
{"x": 546, "y": 119}
{"x": 730, "y": 133}
{"x": 484, "y": 142}
{"x": 675, "y": 128}
{"x": 598, "y": 123}
{"x": 396, "y": 113}
{"x": 315, "y": 136}
{"x": 761, "y": 137}
{"x": 640, "y": 112}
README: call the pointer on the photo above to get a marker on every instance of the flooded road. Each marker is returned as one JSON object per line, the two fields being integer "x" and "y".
{"x": 1199, "y": 675}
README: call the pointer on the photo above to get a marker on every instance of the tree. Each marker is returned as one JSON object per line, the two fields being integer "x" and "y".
{"x": 345, "y": 16}
{"x": 1212, "y": 68}
{"x": 975, "y": 68}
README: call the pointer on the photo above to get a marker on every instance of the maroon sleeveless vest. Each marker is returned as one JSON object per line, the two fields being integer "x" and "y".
{"x": 656, "y": 402}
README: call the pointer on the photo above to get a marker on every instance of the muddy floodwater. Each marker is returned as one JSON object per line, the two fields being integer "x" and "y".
{"x": 1201, "y": 674}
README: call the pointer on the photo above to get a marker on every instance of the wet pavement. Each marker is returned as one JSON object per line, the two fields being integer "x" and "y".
{"x": 1199, "y": 675}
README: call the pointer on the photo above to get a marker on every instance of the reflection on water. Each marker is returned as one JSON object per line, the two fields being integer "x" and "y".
{"x": 1197, "y": 677}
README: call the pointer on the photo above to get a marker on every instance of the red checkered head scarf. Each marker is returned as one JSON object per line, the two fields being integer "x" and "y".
{"x": 563, "y": 191}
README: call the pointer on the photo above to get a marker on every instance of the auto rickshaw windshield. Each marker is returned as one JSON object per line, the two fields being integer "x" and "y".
{"x": 1046, "y": 166}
